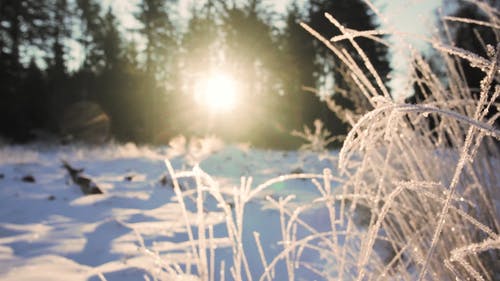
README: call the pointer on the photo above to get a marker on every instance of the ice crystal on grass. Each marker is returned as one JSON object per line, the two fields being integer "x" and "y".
{"x": 318, "y": 140}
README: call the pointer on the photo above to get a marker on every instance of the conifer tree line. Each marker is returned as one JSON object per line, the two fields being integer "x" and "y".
{"x": 144, "y": 85}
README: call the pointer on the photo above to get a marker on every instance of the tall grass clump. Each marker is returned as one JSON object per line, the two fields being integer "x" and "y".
{"x": 431, "y": 193}
{"x": 412, "y": 201}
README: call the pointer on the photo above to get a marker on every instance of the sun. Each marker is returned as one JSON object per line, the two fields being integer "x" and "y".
{"x": 217, "y": 92}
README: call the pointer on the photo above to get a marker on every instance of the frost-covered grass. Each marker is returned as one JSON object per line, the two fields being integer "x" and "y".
{"x": 431, "y": 192}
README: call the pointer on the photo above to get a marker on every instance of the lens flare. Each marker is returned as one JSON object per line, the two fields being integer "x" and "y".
{"x": 218, "y": 92}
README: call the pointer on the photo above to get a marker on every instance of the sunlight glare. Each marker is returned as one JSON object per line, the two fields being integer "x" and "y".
{"x": 217, "y": 92}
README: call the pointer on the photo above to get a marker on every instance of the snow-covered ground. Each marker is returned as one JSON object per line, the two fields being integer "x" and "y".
{"x": 50, "y": 231}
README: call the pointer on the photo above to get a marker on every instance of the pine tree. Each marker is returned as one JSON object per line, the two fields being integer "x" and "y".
{"x": 252, "y": 54}
{"x": 199, "y": 53}
{"x": 110, "y": 81}
{"x": 200, "y": 42}
{"x": 91, "y": 22}
{"x": 300, "y": 72}
{"x": 58, "y": 87}
{"x": 24, "y": 23}
{"x": 24, "y": 26}
{"x": 60, "y": 31}
{"x": 161, "y": 42}
{"x": 159, "y": 32}
{"x": 111, "y": 43}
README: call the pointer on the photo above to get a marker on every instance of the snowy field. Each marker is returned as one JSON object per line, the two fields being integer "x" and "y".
{"x": 49, "y": 230}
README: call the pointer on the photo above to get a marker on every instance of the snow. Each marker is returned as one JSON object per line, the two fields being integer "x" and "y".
{"x": 50, "y": 231}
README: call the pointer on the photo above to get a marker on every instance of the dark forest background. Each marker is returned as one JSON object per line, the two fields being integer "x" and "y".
{"x": 144, "y": 95}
